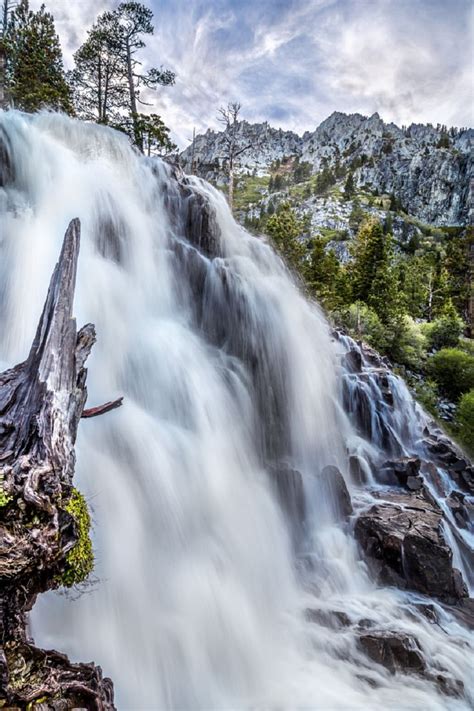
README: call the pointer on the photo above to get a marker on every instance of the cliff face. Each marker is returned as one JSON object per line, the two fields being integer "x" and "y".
{"x": 428, "y": 170}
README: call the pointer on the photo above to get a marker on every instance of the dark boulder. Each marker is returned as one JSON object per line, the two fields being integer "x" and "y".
{"x": 353, "y": 360}
{"x": 463, "y": 612}
{"x": 357, "y": 472}
{"x": 400, "y": 653}
{"x": 462, "y": 509}
{"x": 334, "y": 489}
{"x": 403, "y": 541}
{"x": 288, "y": 483}
{"x": 333, "y": 619}
{"x": 394, "y": 650}
{"x": 403, "y": 471}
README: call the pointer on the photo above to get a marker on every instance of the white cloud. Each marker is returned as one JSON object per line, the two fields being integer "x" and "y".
{"x": 72, "y": 19}
{"x": 408, "y": 66}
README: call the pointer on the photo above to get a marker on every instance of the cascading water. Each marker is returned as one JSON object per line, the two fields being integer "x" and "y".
{"x": 214, "y": 530}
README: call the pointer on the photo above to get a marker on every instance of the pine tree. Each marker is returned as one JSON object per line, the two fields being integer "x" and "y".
{"x": 6, "y": 8}
{"x": 107, "y": 80}
{"x": 135, "y": 20}
{"x": 97, "y": 79}
{"x": 35, "y": 72}
{"x": 457, "y": 265}
{"x": 325, "y": 277}
{"x": 372, "y": 272}
{"x": 285, "y": 229}
{"x": 154, "y": 135}
{"x": 349, "y": 188}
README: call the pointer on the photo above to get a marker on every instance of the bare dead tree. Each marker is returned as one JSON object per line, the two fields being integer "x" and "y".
{"x": 229, "y": 117}
{"x": 41, "y": 403}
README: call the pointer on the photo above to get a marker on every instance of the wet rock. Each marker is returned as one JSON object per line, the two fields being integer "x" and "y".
{"x": 365, "y": 623}
{"x": 451, "y": 458}
{"x": 466, "y": 479}
{"x": 429, "y": 612}
{"x": 289, "y": 487}
{"x": 462, "y": 509}
{"x": 403, "y": 468}
{"x": 334, "y": 488}
{"x": 447, "y": 685}
{"x": 334, "y": 619}
{"x": 394, "y": 650}
{"x": 353, "y": 360}
{"x": 403, "y": 541}
{"x": 437, "y": 445}
{"x": 463, "y": 612}
{"x": 432, "y": 474}
{"x": 414, "y": 483}
{"x": 201, "y": 225}
{"x": 356, "y": 470}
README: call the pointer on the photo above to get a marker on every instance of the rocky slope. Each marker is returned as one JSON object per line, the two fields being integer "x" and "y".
{"x": 428, "y": 169}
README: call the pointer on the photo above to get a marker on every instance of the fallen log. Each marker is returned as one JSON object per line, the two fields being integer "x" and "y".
{"x": 41, "y": 403}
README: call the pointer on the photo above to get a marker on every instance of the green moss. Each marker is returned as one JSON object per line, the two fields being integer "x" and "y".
{"x": 80, "y": 559}
{"x": 4, "y": 497}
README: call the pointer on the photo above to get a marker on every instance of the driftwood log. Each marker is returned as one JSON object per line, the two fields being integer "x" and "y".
{"x": 41, "y": 403}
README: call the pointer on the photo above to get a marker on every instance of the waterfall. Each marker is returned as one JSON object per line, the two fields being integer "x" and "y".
{"x": 214, "y": 531}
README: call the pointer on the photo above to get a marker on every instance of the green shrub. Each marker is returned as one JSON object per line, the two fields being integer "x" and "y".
{"x": 363, "y": 323}
{"x": 453, "y": 371}
{"x": 407, "y": 344}
{"x": 446, "y": 331}
{"x": 426, "y": 394}
{"x": 80, "y": 559}
{"x": 465, "y": 420}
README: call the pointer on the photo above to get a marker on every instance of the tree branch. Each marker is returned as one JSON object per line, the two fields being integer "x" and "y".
{"x": 102, "y": 409}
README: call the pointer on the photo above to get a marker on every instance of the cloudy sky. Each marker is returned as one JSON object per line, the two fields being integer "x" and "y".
{"x": 293, "y": 62}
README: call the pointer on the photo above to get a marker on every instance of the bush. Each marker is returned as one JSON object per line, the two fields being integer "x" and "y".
{"x": 453, "y": 371}
{"x": 426, "y": 394}
{"x": 407, "y": 343}
{"x": 362, "y": 322}
{"x": 446, "y": 331}
{"x": 465, "y": 420}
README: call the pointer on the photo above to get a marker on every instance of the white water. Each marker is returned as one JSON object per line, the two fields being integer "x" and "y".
{"x": 201, "y": 594}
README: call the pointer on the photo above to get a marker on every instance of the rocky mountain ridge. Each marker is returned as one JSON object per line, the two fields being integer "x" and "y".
{"x": 429, "y": 170}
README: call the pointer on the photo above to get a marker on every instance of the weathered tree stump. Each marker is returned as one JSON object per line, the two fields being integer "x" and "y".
{"x": 41, "y": 403}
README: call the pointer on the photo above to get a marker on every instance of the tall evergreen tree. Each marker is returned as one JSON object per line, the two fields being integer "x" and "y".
{"x": 35, "y": 74}
{"x": 325, "y": 276}
{"x": 97, "y": 78}
{"x": 285, "y": 229}
{"x": 349, "y": 188}
{"x": 373, "y": 276}
{"x": 5, "y": 10}
{"x": 107, "y": 80}
{"x": 135, "y": 20}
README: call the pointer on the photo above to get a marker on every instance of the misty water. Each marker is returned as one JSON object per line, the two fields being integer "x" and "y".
{"x": 202, "y": 580}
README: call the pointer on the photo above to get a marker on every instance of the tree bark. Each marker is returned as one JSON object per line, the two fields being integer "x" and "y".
{"x": 231, "y": 186}
{"x": 41, "y": 403}
{"x": 133, "y": 101}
